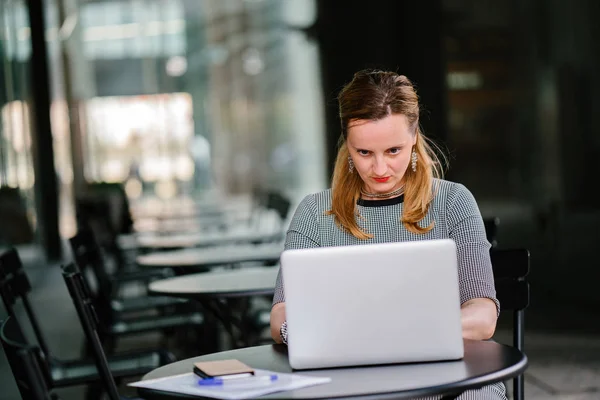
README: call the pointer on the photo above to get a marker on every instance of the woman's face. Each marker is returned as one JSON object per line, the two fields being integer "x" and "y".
{"x": 381, "y": 151}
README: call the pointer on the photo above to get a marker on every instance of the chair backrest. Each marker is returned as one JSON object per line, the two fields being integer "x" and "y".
{"x": 14, "y": 285}
{"x": 88, "y": 256}
{"x": 13, "y": 281}
{"x": 491, "y": 229}
{"x": 511, "y": 267}
{"x": 93, "y": 214}
{"x": 80, "y": 295}
{"x": 29, "y": 369}
{"x": 118, "y": 202}
{"x": 276, "y": 201}
{"x": 16, "y": 228}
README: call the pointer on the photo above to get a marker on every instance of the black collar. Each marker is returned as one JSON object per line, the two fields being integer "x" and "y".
{"x": 381, "y": 203}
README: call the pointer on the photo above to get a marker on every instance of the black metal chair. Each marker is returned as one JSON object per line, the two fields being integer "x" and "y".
{"x": 269, "y": 200}
{"x": 87, "y": 253}
{"x": 114, "y": 192}
{"x": 15, "y": 285}
{"x": 89, "y": 321}
{"x": 278, "y": 202}
{"x": 163, "y": 314}
{"x": 27, "y": 363}
{"x": 16, "y": 227}
{"x": 511, "y": 267}
{"x": 93, "y": 215}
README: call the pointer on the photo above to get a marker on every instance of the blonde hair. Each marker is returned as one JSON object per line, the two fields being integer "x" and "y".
{"x": 374, "y": 95}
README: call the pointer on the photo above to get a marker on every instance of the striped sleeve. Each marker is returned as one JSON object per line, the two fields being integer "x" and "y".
{"x": 465, "y": 227}
{"x": 303, "y": 233}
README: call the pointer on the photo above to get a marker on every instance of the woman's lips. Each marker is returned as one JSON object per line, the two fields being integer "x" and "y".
{"x": 382, "y": 180}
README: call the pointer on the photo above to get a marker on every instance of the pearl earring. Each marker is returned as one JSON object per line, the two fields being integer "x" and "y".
{"x": 413, "y": 161}
{"x": 350, "y": 164}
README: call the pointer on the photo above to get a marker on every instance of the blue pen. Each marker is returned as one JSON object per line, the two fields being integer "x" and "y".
{"x": 239, "y": 381}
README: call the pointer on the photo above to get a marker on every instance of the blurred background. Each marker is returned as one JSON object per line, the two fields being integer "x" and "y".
{"x": 183, "y": 100}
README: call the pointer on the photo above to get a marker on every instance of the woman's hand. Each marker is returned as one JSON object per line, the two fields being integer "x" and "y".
{"x": 478, "y": 318}
{"x": 277, "y": 318}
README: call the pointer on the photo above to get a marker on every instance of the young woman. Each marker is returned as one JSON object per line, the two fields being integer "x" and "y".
{"x": 387, "y": 187}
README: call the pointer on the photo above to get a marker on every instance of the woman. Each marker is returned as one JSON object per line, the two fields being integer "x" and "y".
{"x": 387, "y": 187}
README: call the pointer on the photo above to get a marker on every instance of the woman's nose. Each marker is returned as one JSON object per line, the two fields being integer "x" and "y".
{"x": 379, "y": 167}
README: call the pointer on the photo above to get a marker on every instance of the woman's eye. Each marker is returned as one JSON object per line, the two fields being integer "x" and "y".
{"x": 363, "y": 152}
{"x": 394, "y": 150}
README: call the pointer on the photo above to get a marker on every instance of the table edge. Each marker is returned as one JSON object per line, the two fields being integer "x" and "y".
{"x": 460, "y": 386}
{"x": 209, "y": 295}
{"x": 207, "y": 264}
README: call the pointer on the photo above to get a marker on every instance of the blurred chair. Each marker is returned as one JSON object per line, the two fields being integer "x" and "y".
{"x": 114, "y": 193}
{"x": 269, "y": 200}
{"x": 278, "y": 202}
{"x": 27, "y": 363}
{"x": 167, "y": 314}
{"x": 14, "y": 285}
{"x": 88, "y": 256}
{"x": 15, "y": 228}
{"x": 92, "y": 220}
{"x": 93, "y": 213}
{"x": 491, "y": 230}
{"x": 511, "y": 267}
{"x": 89, "y": 321}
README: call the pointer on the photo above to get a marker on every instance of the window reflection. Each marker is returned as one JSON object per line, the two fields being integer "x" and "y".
{"x": 174, "y": 99}
{"x": 188, "y": 98}
{"x": 17, "y": 201}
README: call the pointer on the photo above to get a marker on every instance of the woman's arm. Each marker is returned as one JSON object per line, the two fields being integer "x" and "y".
{"x": 277, "y": 319}
{"x": 478, "y": 318}
{"x": 479, "y": 306}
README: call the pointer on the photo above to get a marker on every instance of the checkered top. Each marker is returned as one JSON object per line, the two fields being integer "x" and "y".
{"x": 453, "y": 209}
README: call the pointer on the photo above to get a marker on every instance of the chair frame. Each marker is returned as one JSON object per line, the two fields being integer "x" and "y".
{"x": 89, "y": 321}
{"x": 14, "y": 284}
{"x": 11, "y": 269}
{"x": 87, "y": 255}
{"x": 31, "y": 372}
{"x": 511, "y": 267}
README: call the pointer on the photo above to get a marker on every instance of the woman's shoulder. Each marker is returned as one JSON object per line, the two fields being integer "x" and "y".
{"x": 452, "y": 195}
{"x": 448, "y": 193}
{"x": 446, "y": 188}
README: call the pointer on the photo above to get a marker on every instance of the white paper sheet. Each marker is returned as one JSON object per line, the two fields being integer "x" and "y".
{"x": 188, "y": 384}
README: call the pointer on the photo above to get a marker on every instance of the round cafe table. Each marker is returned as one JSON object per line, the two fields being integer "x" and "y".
{"x": 223, "y": 293}
{"x": 249, "y": 281}
{"x": 484, "y": 363}
{"x": 201, "y": 241}
{"x": 211, "y": 256}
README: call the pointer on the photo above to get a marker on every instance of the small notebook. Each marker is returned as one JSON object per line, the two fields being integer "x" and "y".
{"x": 253, "y": 386}
{"x": 222, "y": 368}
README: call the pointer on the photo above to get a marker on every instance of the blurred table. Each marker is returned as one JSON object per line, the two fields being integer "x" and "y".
{"x": 194, "y": 222}
{"x": 248, "y": 281}
{"x": 206, "y": 239}
{"x": 223, "y": 293}
{"x": 217, "y": 203}
{"x": 211, "y": 256}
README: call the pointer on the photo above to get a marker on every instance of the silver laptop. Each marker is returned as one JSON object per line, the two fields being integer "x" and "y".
{"x": 372, "y": 304}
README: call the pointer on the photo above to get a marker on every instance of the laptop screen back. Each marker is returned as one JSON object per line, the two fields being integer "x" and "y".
{"x": 372, "y": 304}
